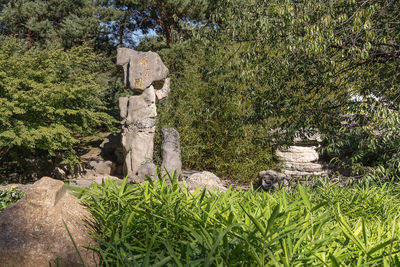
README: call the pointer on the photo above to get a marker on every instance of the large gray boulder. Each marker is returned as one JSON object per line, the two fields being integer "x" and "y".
{"x": 32, "y": 232}
{"x": 171, "y": 152}
{"x": 141, "y": 69}
{"x": 142, "y": 72}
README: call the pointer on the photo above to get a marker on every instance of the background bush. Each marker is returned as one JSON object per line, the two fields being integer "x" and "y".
{"x": 8, "y": 197}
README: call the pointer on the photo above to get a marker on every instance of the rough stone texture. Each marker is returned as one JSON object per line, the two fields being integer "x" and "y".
{"x": 303, "y": 166}
{"x": 123, "y": 106}
{"x": 164, "y": 91}
{"x": 146, "y": 169}
{"x": 138, "y": 131}
{"x": 204, "y": 179}
{"x": 102, "y": 167}
{"x": 142, "y": 109}
{"x": 272, "y": 180}
{"x": 171, "y": 152}
{"x": 32, "y": 232}
{"x": 298, "y": 154}
{"x": 141, "y": 69}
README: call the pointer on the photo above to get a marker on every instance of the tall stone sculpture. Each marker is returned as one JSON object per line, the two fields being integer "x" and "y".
{"x": 138, "y": 112}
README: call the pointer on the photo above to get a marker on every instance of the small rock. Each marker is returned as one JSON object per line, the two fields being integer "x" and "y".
{"x": 164, "y": 91}
{"x": 86, "y": 181}
{"x": 59, "y": 173}
{"x": 204, "y": 179}
{"x": 271, "y": 180}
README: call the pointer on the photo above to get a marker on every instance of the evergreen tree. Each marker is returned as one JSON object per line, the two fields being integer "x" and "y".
{"x": 49, "y": 21}
{"x": 163, "y": 17}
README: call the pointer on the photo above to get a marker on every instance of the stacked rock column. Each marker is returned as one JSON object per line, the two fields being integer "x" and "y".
{"x": 138, "y": 112}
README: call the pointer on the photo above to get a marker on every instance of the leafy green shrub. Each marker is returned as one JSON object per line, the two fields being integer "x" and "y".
{"x": 48, "y": 99}
{"x": 159, "y": 223}
{"x": 8, "y": 197}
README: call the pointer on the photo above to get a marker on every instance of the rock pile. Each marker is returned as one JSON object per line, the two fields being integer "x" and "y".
{"x": 301, "y": 161}
{"x": 296, "y": 161}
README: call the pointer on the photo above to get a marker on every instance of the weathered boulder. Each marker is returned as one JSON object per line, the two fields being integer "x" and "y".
{"x": 171, "y": 152}
{"x": 32, "y": 231}
{"x": 304, "y": 168}
{"x": 204, "y": 179}
{"x": 141, "y": 69}
{"x": 272, "y": 180}
{"x": 142, "y": 72}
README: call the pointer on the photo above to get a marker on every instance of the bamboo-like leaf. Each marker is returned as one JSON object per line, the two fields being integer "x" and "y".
{"x": 258, "y": 225}
{"x": 272, "y": 218}
{"x": 305, "y": 197}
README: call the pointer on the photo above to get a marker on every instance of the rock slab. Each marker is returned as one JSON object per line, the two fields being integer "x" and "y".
{"x": 32, "y": 231}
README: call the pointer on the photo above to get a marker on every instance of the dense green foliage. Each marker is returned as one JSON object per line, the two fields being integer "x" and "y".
{"x": 8, "y": 197}
{"x": 66, "y": 22}
{"x": 213, "y": 114}
{"x": 48, "y": 98}
{"x": 160, "y": 224}
{"x": 262, "y": 72}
